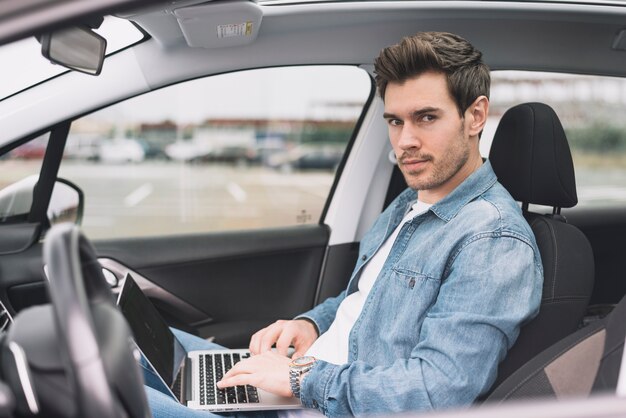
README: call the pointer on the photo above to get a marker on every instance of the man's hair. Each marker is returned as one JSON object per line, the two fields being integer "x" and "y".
{"x": 441, "y": 52}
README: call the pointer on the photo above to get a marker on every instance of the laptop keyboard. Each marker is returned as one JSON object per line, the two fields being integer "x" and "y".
{"x": 212, "y": 369}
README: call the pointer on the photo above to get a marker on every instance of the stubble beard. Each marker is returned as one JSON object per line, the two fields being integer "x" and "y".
{"x": 441, "y": 170}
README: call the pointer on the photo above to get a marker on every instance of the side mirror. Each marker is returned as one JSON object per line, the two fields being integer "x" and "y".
{"x": 66, "y": 203}
{"x": 77, "y": 48}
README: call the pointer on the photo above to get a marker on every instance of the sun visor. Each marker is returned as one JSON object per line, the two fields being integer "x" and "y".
{"x": 220, "y": 24}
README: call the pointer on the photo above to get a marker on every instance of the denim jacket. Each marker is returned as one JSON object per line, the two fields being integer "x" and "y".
{"x": 447, "y": 305}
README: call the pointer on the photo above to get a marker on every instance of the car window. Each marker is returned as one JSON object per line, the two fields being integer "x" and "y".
{"x": 591, "y": 109}
{"x": 245, "y": 150}
{"x": 24, "y": 66}
{"x": 19, "y": 172}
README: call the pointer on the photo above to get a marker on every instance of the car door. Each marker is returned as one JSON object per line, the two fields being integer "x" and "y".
{"x": 198, "y": 191}
{"x": 24, "y": 209}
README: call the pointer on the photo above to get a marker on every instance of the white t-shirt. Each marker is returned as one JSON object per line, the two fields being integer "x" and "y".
{"x": 332, "y": 346}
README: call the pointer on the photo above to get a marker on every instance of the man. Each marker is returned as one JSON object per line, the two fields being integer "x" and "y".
{"x": 445, "y": 276}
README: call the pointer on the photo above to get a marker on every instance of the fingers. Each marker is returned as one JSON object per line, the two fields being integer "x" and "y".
{"x": 301, "y": 334}
{"x": 284, "y": 341}
{"x": 270, "y": 336}
{"x": 242, "y": 367}
{"x": 255, "y": 341}
{"x": 264, "y": 339}
{"x": 268, "y": 371}
{"x": 237, "y": 380}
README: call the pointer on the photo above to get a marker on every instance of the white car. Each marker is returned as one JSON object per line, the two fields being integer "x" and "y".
{"x": 225, "y": 249}
{"x": 120, "y": 150}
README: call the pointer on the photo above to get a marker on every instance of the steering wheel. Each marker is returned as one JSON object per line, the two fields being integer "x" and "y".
{"x": 95, "y": 342}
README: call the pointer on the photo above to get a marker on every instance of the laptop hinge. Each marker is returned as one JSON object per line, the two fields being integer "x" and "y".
{"x": 186, "y": 388}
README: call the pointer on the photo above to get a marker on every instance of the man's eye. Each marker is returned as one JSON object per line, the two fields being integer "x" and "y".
{"x": 428, "y": 118}
{"x": 395, "y": 122}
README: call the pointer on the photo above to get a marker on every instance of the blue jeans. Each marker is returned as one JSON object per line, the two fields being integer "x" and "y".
{"x": 163, "y": 405}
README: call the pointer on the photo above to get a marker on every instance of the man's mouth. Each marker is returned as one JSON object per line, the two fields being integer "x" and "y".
{"x": 414, "y": 163}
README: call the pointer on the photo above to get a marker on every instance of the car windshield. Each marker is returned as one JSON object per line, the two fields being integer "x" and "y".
{"x": 23, "y": 65}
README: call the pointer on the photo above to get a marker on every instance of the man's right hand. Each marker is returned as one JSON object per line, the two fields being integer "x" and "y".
{"x": 298, "y": 333}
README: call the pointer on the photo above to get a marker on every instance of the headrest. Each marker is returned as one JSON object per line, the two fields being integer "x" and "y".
{"x": 531, "y": 157}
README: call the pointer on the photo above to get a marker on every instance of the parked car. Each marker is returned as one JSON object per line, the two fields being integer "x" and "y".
{"x": 199, "y": 237}
{"x": 32, "y": 150}
{"x": 120, "y": 150}
{"x": 307, "y": 158}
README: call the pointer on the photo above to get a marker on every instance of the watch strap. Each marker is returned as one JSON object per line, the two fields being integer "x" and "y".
{"x": 294, "y": 378}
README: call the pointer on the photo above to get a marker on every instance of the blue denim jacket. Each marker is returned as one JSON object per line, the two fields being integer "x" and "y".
{"x": 448, "y": 304}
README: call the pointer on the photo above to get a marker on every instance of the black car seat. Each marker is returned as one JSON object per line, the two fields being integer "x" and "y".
{"x": 531, "y": 157}
{"x": 587, "y": 361}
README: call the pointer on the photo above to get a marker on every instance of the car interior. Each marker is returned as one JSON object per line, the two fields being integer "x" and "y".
{"x": 223, "y": 280}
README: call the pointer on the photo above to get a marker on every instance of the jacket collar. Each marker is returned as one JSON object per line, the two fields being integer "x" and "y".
{"x": 447, "y": 208}
{"x": 475, "y": 185}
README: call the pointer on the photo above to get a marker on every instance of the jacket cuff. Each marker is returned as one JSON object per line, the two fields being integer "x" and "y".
{"x": 314, "y": 385}
{"x": 312, "y": 321}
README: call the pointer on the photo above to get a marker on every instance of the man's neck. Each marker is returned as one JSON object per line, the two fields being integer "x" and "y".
{"x": 433, "y": 196}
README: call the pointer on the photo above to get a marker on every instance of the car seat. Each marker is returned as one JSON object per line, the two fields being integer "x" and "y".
{"x": 587, "y": 361}
{"x": 531, "y": 157}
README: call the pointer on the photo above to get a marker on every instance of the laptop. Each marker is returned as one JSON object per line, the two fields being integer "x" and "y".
{"x": 190, "y": 377}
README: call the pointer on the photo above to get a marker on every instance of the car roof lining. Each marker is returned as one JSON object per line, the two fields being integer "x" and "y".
{"x": 541, "y": 36}
{"x": 538, "y": 36}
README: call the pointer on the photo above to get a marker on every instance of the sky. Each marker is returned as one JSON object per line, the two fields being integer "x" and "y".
{"x": 325, "y": 92}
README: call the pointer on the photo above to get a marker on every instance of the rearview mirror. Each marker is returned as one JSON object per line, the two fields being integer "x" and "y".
{"x": 77, "y": 48}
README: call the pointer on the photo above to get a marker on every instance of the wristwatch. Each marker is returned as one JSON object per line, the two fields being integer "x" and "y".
{"x": 297, "y": 368}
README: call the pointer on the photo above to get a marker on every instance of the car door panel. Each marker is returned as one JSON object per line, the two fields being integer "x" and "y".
{"x": 606, "y": 230}
{"x": 21, "y": 279}
{"x": 338, "y": 265}
{"x": 240, "y": 281}
{"x": 18, "y": 237}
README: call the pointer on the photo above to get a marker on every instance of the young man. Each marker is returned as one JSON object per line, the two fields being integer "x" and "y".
{"x": 444, "y": 278}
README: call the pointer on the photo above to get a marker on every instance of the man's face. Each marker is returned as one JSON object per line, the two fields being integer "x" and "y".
{"x": 429, "y": 137}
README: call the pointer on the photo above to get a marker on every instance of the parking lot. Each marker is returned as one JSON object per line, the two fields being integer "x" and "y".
{"x": 165, "y": 197}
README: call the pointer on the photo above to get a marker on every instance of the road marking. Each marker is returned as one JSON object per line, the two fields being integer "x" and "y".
{"x": 237, "y": 192}
{"x": 139, "y": 194}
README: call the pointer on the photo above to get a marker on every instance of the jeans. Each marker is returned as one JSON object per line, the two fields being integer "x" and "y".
{"x": 163, "y": 405}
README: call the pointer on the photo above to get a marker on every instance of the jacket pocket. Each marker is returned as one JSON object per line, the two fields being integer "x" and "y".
{"x": 411, "y": 280}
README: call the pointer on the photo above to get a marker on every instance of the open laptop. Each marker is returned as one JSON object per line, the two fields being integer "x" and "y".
{"x": 190, "y": 377}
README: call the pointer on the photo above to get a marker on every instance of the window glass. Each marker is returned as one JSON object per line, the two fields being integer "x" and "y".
{"x": 252, "y": 149}
{"x": 24, "y": 66}
{"x": 19, "y": 172}
{"x": 591, "y": 109}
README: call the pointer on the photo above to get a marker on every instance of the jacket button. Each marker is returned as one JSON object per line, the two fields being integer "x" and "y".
{"x": 315, "y": 404}
{"x": 364, "y": 257}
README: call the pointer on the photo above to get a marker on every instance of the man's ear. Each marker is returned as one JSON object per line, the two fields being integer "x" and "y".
{"x": 476, "y": 114}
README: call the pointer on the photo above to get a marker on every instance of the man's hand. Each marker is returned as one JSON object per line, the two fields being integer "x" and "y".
{"x": 299, "y": 333}
{"x": 268, "y": 371}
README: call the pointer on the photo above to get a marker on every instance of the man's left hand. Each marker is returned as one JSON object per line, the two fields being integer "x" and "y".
{"x": 268, "y": 371}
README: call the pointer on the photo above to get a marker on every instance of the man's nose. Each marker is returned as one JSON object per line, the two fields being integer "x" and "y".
{"x": 409, "y": 137}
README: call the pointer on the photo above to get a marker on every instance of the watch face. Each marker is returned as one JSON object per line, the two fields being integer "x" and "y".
{"x": 303, "y": 361}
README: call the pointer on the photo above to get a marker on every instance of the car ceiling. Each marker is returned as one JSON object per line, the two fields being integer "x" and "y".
{"x": 575, "y": 38}
{"x": 19, "y": 19}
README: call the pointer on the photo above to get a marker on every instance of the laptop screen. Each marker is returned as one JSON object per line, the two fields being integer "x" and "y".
{"x": 152, "y": 334}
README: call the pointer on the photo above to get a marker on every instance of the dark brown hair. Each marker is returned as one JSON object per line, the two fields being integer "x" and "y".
{"x": 468, "y": 77}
